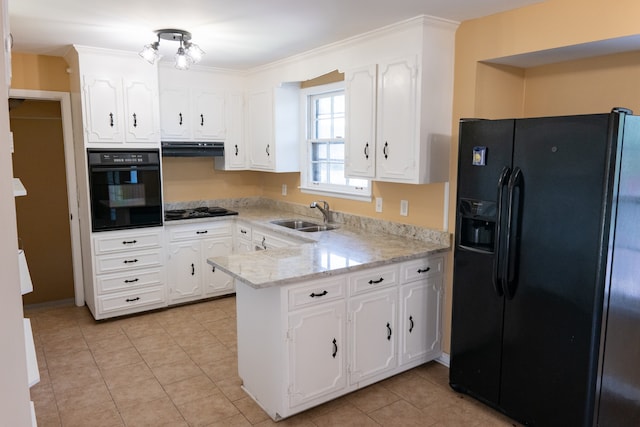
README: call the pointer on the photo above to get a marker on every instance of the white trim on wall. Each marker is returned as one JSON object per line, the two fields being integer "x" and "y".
{"x": 72, "y": 188}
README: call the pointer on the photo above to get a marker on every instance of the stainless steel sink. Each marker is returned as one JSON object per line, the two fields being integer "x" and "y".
{"x": 302, "y": 225}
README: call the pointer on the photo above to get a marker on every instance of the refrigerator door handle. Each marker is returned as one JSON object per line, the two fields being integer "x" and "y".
{"x": 508, "y": 272}
{"x": 497, "y": 280}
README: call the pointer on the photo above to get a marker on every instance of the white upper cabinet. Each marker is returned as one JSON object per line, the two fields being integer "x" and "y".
{"x": 174, "y": 111}
{"x": 272, "y": 129}
{"x": 399, "y": 111}
{"x": 235, "y": 149}
{"x": 209, "y": 109}
{"x": 119, "y": 96}
{"x": 189, "y": 114}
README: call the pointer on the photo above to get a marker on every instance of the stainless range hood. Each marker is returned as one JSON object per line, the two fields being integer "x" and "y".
{"x": 192, "y": 149}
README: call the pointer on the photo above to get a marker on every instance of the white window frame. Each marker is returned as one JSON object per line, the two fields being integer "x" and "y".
{"x": 306, "y": 186}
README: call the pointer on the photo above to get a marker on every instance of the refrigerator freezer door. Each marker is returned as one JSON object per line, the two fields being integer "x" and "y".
{"x": 477, "y": 311}
{"x": 548, "y": 338}
{"x": 620, "y": 393}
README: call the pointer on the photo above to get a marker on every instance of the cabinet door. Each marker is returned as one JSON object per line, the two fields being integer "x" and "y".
{"x": 260, "y": 130}
{"x": 360, "y": 91}
{"x": 397, "y": 120}
{"x": 141, "y": 109}
{"x": 208, "y": 115}
{"x": 316, "y": 352}
{"x": 175, "y": 114}
{"x": 214, "y": 280}
{"x": 421, "y": 316}
{"x": 184, "y": 273}
{"x": 372, "y": 334}
{"x": 103, "y": 110}
{"x": 235, "y": 147}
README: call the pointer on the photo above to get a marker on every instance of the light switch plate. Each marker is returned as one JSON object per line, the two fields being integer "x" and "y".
{"x": 378, "y": 204}
{"x": 404, "y": 207}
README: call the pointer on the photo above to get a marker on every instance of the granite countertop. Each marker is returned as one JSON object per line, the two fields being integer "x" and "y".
{"x": 346, "y": 249}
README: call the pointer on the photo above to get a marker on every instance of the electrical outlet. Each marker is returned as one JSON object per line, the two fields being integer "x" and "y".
{"x": 404, "y": 207}
{"x": 284, "y": 189}
{"x": 378, "y": 204}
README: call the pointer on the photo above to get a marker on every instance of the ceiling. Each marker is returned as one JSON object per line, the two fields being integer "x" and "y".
{"x": 235, "y": 34}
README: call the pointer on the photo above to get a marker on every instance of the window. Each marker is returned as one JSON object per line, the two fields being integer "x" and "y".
{"x": 323, "y": 170}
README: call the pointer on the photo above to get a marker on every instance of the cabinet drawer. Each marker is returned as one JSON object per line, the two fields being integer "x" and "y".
{"x": 132, "y": 301}
{"x": 376, "y": 278}
{"x": 118, "y": 241}
{"x": 200, "y": 230}
{"x": 316, "y": 292}
{"x": 128, "y": 261}
{"x": 128, "y": 281}
{"x": 243, "y": 232}
{"x": 421, "y": 268}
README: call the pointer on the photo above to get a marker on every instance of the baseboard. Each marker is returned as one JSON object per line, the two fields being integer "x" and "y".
{"x": 443, "y": 359}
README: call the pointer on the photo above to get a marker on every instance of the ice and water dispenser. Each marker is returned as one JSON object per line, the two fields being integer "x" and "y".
{"x": 477, "y": 224}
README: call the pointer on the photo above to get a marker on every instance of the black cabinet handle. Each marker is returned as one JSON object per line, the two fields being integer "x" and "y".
{"x": 111, "y": 119}
{"x": 130, "y": 261}
{"x": 410, "y": 324}
{"x": 335, "y": 348}
{"x": 388, "y": 332}
{"x": 385, "y": 150}
{"x": 135, "y": 120}
{"x": 321, "y": 294}
{"x": 375, "y": 282}
{"x": 243, "y": 231}
{"x": 267, "y": 150}
{"x": 213, "y": 269}
{"x": 201, "y": 119}
{"x": 131, "y": 281}
{"x": 236, "y": 149}
{"x": 193, "y": 269}
{"x": 264, "y": 242}
{"x": 366, "y": 150}
{"x": 132, "y": 299}
{"x": 421, "y": 270}
{"x": 202, "y": 232}
{"x": 180, "y": 119}
{"x": 129, "y": 242}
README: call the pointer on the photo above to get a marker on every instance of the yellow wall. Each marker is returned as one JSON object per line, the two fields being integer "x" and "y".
{"x": 39, "y": 72}
{"x": 483, "y": 89}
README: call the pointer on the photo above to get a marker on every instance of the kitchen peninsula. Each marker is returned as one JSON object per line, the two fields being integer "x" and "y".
{"x": 346, "y": 308}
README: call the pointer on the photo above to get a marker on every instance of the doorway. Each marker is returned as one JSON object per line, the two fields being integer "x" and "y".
{"x": 47, "y": 216}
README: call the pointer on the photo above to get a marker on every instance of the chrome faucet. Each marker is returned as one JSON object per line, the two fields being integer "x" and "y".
{"x": 326, "y": 213}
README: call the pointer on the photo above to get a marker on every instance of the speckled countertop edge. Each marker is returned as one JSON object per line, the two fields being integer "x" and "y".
{"x": 357, "y": 244}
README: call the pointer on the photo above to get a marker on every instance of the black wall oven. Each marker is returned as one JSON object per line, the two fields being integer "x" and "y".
{"x": 125, "y": 189}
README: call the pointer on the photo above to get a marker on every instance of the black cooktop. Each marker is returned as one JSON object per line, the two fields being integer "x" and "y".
{"x": 202, "y": 212}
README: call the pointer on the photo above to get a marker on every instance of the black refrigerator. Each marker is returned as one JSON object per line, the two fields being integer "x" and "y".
{"x": 535, "y": 276}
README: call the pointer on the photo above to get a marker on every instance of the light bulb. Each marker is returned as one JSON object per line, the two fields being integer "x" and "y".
{"x": 194, "y": 52}
{"x": 182, "y": 60}
{"x": 150, "y": 53}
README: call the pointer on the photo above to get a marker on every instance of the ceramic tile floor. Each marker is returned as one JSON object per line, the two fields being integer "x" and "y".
{"x": 177, "y": 367}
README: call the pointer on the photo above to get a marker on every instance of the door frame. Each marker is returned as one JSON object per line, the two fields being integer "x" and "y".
{"x": 72, "y": 189}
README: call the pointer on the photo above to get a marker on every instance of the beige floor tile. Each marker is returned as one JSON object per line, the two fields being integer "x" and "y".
{"x": 346, "y": 415}
{"x": 80, "y": 397}
{"x": 44, "y": 399}
{"x": 300, "y": 420}
{"x": 142, "y": 329}
{"x": 204, "y": 354}
{"x": 182, "y": 326}
{"x": 222, "y": 326}
{"x": 401, "y": 414}
{"x": 194, "y": 388}
{"x": 113, "y": 342}
{"x": 200, "y": 337}
{"x": 176, "y": 371}
{"x": 71, "y": 360}
{"x": 63, "y": 347}
{"x": 164, "y": 356}
{"x": 154, "y": 413}
{"x": 50, "y": 336}
{"x": 101, "y": 330}
{"x": 233, "y": 421}
{"x": 137, "y": 393}
{"x": 153, "y": 342}
{"x": 82, "y": 376}
{"x": 250, "y": 409}
{"x": 231, "y": 388}
{"x": 222, "y": 368}
{"x": 206, "y": 411}
{"x": 121, "y": 376}
{"x": 210, "y": 315}
{"x": 51, "y": 419}
{"x": 415, "y": 390}
{"x": 111, "y": 359}
{"x": 99, "y": 415}
{"x": 371, "y": 398}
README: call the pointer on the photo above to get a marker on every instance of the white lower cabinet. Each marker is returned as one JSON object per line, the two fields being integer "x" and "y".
{"x": 317, "y": 352}
{"x": 190, "y": 277}
{"x": 324, "y": 338}
{"x": 129, "y": 273}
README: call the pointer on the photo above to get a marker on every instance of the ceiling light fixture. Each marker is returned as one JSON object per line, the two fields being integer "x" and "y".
{"x": 188, "y": 52}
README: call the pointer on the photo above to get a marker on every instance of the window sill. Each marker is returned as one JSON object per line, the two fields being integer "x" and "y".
{"x": 338, "y": 194}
